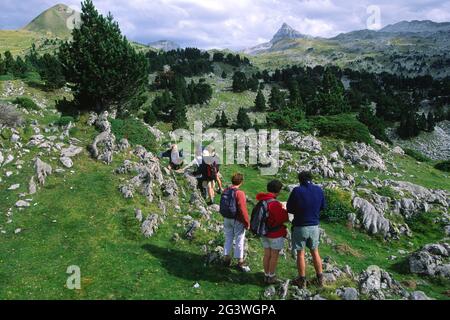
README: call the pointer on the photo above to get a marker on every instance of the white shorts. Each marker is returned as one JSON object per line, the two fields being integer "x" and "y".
{"x": 274, "y": 244}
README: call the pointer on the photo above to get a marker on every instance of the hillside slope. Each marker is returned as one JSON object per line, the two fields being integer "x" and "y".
{"x": 80, "y": 217}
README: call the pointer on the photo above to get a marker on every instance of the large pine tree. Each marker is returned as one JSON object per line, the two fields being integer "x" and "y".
{"x": 105, "y": 70}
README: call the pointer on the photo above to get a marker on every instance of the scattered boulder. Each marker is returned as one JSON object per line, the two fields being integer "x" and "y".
{"x": 66, "y": 162}
{"x": 22, "y": 204}
{"x": 377, "y": 284}
{"x": 398, "y": 151}
{"x": 71, "y": 151}
{"x": 150, "y": 225}
{"x": 32, "y": 188}
{"x": 138, "y": 214}
{"x": 127, "y": 191}
{"x": 348, "y": 293}
{"x": 42, "y": 170}
{"x": 123, "y": 145}
{"x": 432, "y": 260}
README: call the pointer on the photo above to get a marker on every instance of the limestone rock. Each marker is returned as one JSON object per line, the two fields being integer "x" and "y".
{"x": 22, "y": 204}
{"x": 42, "y": 170}
{"x": 66, "y": 162}
{"x": 71, "y": 151}
{"x": 373, "y": 221}
{"x": 363, "y": 155}
{"x": 32, "y": 188}
{"x": 150, "y": 225}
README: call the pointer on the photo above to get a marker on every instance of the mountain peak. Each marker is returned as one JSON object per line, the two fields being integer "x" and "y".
{"x": 53, "y": 21}
{"x": 286, "y": 32}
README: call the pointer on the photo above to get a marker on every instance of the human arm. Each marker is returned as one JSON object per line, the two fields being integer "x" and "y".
{"x": 242, "y": 208}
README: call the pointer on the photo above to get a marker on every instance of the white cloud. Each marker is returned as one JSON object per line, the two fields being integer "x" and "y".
{"x": 235, "y": 23}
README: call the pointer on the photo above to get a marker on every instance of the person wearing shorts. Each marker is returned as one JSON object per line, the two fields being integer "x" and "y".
{"x": 305, "y": 203}
{"x": 274, "y": 240}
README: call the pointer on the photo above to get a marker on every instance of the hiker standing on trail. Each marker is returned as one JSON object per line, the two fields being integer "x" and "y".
{"x": 216, "y": 160}
{"x": 273, "y": 240}
{"x": 233, "y": 207}
{"x": 209, "y": 169}
{"x": 305, "y": 203}
{"x": 175, "y": 157}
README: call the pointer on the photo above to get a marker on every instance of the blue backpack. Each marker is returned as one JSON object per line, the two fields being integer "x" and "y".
{"x": 228, "y": 204}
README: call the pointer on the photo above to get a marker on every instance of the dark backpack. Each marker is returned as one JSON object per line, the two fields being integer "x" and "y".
{"x": 228, "y": 204}
{"x": 210, "y": 171}
{"x": 258, "y": 221}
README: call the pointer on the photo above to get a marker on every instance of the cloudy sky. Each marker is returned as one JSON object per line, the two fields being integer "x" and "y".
{"x": 237, "y": 23}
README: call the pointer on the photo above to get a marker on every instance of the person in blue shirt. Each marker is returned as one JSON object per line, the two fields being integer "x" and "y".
{"x": 305, "y": 203}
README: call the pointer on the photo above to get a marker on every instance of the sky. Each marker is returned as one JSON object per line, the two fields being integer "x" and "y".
{"x": 237, "y": 24}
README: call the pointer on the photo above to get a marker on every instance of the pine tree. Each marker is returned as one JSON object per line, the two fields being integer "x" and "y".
{"x": 224, "y": 75}
{"x": 224, "y": 120}
{"x": 276, "y": 99}
{"x": 179, "y": 114}
{"x": 331, "y": 100}
{"x": 103, "y": 66}
{"x": 243, "y": 121}
{"x": 260, "y": 102}
{"x": 217, "y": 123}
{"x": 239, "y": 82}
{"x": 150, "y": 117}
{"x": 52, "y": 72}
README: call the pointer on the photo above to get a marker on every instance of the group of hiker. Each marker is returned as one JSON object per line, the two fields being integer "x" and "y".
{"x": 268, "y": 218}
{"x": 268, "y": 221}
{"x": 205, "y": 167}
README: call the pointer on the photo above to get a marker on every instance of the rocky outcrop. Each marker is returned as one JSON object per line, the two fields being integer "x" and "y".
{"x": 363, "y": 155}
{"x": 103, "y": 146}
{"x": 150, "y": 225}
{"x": 432, "y": 260}
{"x": 378, "y": 284}
{"x": 373, "y": 221}
{"x": 42, "y": 170}
{"x": 301, "y": 143}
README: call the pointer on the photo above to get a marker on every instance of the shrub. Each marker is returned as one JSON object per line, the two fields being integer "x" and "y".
{"x": 338, "y": 205}
{"x": 387, "y": 192}
{"x": 343, "y": 126}
{"x": 65, "y": 120}
{"x": 133, "y": 130}
{"x": 443, "y": 166}
{"x": 26, "y": 103}
{"x": 416, "y": 155}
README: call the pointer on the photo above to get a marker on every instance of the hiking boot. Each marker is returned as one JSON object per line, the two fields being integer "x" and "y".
{"x": 299, "y": 282}
{"x": 320, "y": 280}
{"x": 227, "y": 262}
{"x": 242, "y": 267}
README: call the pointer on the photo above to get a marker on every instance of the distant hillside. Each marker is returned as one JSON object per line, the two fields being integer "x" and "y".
{"x": 54, "y": 21}
{"x": 406, "y": 48}
{"x": 416, "y": 26}
{"x": 165, "y": 45}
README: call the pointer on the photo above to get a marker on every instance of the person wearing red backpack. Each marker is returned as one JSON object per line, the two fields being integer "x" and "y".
{"x": 233, "y": 207}
{"x": 273, "y": 241}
